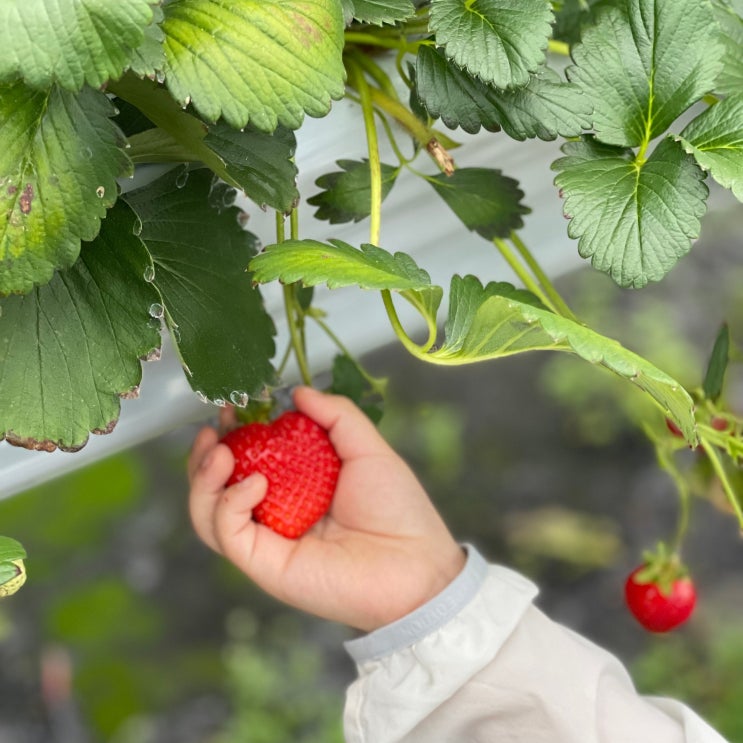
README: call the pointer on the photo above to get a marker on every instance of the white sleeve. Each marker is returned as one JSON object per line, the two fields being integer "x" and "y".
{"x": 479, "y": 663}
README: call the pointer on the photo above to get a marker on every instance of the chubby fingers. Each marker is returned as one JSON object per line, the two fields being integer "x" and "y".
{"x": 209, "y": 467}
{"x": 352, "y": 433}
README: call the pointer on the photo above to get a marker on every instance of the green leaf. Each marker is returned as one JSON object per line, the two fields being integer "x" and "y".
{"x": 338, "y": 264}
{"x": 633, "y": 220}
{"x": 347, "y": 194}
{"x": 10, "y": 550}
{"x": 266, "y": 63}
{"x": 60, "y": 158}
{"x": 500, "y": 41}
{"x": 715, "y": 139}
{"x": 261, "y": 164}
{"x": 70, "y": 42}
{"x": 377, "y": 12}
{"x": 258, "y": 163}
{"x": 8, "y": 571}
{"x": 349, "y": 380}
{"x": 497, "y": 321}
{"x": 730, "y": 79}
{"x": 644, "y": 63}
{"x": 12, "y": 577}
{"x": 572, "y": 16}
{"x": 545, "y": 107}
{"x": 157, "y": 146}
{"x": 427, "y": 302}
{"x": 149, "y": 57}
{"x": 485, "y": 200}
{"x": 158, "y": 107}
{"x": 714, "y": 378}
{"x": 219, "y": 325}
{"x": 71, "y": 349}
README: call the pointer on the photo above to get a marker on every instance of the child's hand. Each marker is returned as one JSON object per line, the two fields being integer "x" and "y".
{"x": 380, "y": 552}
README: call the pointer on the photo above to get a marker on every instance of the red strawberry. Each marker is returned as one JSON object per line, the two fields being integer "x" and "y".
{"x": 660, "y": 594}
{"x": 297, "y": 458}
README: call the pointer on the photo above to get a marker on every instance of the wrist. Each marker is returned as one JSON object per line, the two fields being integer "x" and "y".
{"x": 434, "y": 574}
{"x": 428, "y": 616}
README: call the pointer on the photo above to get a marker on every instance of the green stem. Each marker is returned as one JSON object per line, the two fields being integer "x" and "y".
{"x": 377, "y": 385}
{"x": 558, "y": 47}
{"x": 420, "y": 132}
{"x": 722, "y": 475}
{"x": 556, "y": 300}
{"x": 409, "y": 345}
{"x": 395, "y": 42}
{"x": 280, "y": 234}
{"x": 294, "y": 314}
{"x": 683, "y": 519}
{"x": 372, "y": 143}
{"x": 290, "y": 308}
{"x": 380, "y": 77}
{"x": 284, "y": 360}
{"x": 521, "y": 272}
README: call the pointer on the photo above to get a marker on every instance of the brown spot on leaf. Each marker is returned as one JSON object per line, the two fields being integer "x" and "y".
{"x": 103, "y": 431}
{"x": 131, "y": 394}
{"x": 307, "y": 33}
{"x": 12, "y": 190}
{"x": 28, "y": 443}
{"x": 26, "y": 198}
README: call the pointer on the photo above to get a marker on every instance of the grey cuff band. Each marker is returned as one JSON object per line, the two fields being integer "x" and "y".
{"x": 426, "y": 619}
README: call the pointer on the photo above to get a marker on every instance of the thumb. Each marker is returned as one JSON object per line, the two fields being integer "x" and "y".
{"x": 233, "y": 523}
{"x": 253, "y": 548}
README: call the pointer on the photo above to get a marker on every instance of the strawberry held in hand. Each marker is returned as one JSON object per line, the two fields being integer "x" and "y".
{"x": 659, "y": 593}
{"x": 297, "y": 458}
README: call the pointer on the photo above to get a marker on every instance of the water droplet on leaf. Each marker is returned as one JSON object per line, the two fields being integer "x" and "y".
{"x": 202, "y": 396}
{"x": 149, "y": 273}
{"x": 100, "y": 192}
{"x": 220, "y": 403}
{"x": 181, "y": 179}
{"x": 240, "y": 399}
{"x": 157, "y": 310}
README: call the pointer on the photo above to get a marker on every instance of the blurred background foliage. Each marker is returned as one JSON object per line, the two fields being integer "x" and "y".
{"x": 130, "y": 631}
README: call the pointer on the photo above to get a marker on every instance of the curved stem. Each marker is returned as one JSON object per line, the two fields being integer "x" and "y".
{"x": 409, "y": 345}
{"x": 393, "y": 142}
{"x": 377, "y": 385}
{"x": 721, "y": 474}
{"x": 555, "y": 299}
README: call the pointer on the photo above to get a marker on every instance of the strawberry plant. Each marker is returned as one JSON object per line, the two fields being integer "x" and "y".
{"x": 646, "y": 94}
